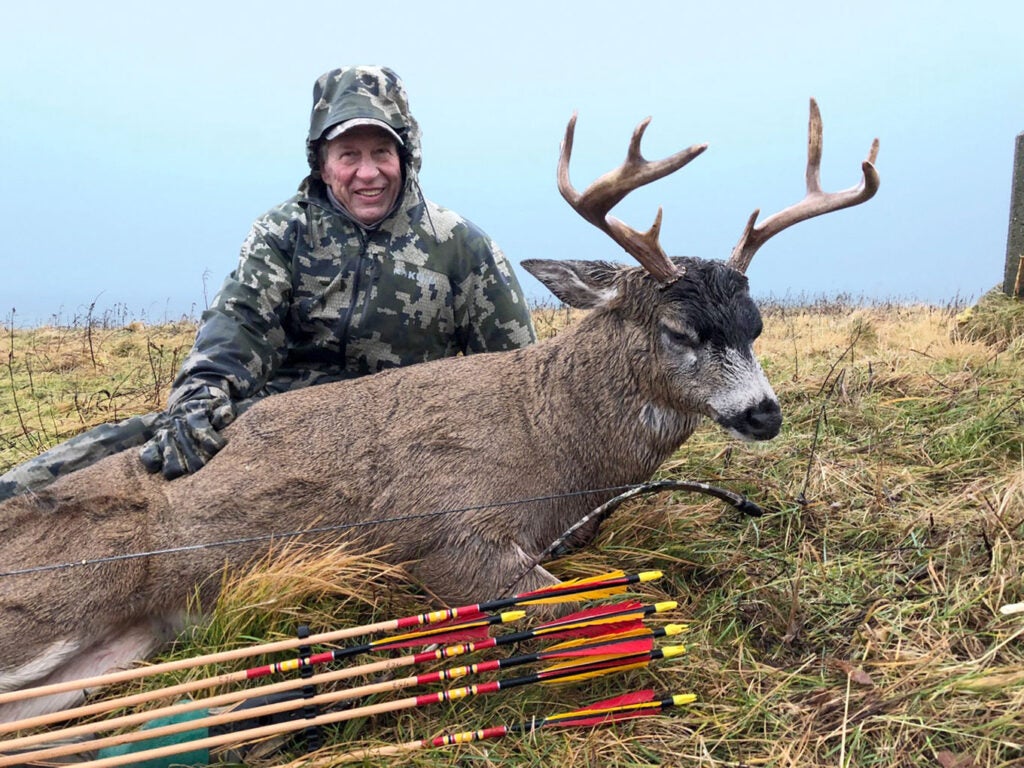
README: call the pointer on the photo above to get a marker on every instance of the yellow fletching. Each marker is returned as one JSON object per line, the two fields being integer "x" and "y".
{"x": 611, "y": 654}
{"x": 606, "y": 655}
{"x": 598, "y": 592}
{"x": 592, "y": 579}
{"x": 594, "y": 673}
{"x": 441, "y": 629}
{"x": 641, "y": 632}
{"x": 677, "y": 700}
{"x": 592, "y": 711}
{"x": 593, "y": 594}
{"x": 613, "y": 619}
{"x": 562, "y": 598}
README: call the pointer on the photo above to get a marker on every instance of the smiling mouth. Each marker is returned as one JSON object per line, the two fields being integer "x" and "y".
{"x": 370, "y": 193}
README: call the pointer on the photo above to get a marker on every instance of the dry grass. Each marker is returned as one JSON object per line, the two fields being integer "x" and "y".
{"x": 59, "y": 381}
{"x": 856, "y": 624}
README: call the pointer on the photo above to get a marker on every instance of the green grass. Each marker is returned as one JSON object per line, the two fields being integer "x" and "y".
{"x": 856, "y": 623}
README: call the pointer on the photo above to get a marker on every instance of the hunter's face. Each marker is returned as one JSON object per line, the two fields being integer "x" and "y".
{"x": 363, "y": 169}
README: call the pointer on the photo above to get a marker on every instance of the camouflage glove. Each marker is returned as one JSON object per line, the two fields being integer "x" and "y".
{"x": 191, "y": 436}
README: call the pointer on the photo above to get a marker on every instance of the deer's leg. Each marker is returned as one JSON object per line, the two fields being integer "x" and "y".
{"x": 66, "y": 659}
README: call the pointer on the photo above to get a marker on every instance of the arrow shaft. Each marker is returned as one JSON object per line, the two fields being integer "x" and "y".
{"x": 229, "y": 678}
{"x": 593, "y": 623}
{"x": 625, "y": 639}
{"x": 607, "y": 649}
{"x": 591, "y": 587}
{"x": 569, "y": 672}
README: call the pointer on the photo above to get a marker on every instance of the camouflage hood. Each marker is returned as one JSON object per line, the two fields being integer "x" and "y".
{"x": 350, "y": 92}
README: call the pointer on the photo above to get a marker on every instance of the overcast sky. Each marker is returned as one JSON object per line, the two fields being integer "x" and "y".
{"x": 138, "y": 141}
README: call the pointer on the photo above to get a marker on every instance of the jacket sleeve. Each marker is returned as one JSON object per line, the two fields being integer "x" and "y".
{"x": 489, "y": 304}
{"x": 241, "y": 341}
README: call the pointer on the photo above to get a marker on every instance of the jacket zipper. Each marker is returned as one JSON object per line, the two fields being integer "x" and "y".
{"x": 356, "y": 280}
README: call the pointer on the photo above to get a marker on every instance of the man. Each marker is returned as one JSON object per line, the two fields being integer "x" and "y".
{"x": 356, "y": 273}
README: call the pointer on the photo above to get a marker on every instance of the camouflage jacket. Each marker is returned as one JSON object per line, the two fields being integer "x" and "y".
{"x": 318, "y": 297}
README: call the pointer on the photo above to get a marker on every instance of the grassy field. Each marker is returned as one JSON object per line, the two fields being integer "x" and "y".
{"x": 857, "y": 623}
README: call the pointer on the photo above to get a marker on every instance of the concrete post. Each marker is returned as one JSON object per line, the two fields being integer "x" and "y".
{"x": 1013, "y": 282}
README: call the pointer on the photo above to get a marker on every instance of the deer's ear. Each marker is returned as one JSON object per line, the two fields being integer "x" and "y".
{"x": 580, "y": 284}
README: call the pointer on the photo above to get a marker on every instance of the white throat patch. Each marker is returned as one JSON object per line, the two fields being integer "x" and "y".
{"x": 667, "y": 424}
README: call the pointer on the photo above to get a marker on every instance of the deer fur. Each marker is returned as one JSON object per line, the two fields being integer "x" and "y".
{"x": 602, "y": 404}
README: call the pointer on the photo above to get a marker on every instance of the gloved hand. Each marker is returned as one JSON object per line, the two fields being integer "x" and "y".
{"x": 191, "y": 437}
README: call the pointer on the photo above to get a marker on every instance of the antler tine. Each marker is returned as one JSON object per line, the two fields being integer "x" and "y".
{"x": 814, "y": 203}
{"x": 606, "y": 192}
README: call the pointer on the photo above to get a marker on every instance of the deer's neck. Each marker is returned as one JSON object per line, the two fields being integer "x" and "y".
{"x": 603, "y": 415}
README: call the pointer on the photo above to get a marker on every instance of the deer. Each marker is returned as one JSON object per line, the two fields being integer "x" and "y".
{"x": 665, "y": 345}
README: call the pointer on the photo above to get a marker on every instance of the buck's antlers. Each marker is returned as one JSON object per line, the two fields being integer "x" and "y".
{"x": 605, "y": 193}
{"x": 814, "y": 203}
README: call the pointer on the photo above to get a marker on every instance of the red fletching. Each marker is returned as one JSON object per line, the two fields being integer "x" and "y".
{"x": 637, "y": 697}
{"x": 594, "y": 587}
{"x": 591, "y": 614}
{"x": 456, "y": 635}
{"x": 581, "y": 722}
{"x": 589, "y": 623}
{"x": 605, "y": 711}
{"x": 573, "y": 670}
{"x": 596, "y": 622}
{"x": 614, "y": 577}
{"x": 597, "y": 630}
{"x": 612, "y": 648}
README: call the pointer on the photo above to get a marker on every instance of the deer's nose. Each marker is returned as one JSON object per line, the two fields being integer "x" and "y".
{"x": 761, "y": 421}
{"x": 764, "y": 420}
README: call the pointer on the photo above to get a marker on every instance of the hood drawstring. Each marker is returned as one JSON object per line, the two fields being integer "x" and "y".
{"x": 426, "y": 208}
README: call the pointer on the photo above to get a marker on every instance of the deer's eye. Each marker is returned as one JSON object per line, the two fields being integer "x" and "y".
{"x": 679, "y": 337}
